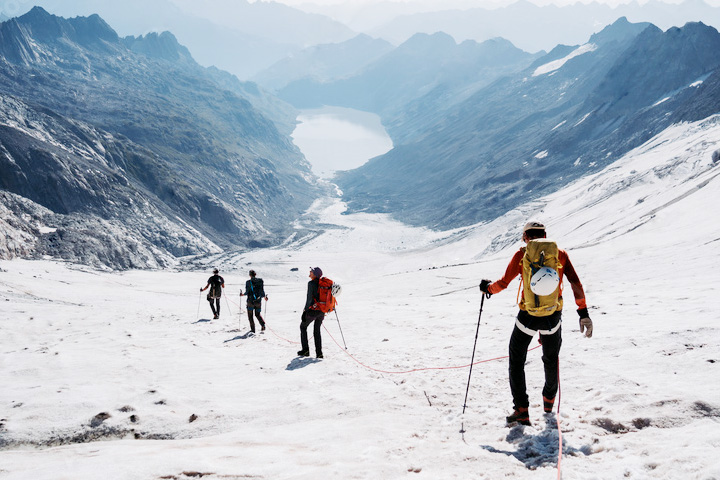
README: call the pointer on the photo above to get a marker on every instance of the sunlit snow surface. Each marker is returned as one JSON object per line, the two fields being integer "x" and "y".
{"x": 129, "y": 354}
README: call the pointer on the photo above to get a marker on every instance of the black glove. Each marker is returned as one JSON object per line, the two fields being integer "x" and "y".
{"x": 585, "y": 322}
{"x": 484, "y": 284}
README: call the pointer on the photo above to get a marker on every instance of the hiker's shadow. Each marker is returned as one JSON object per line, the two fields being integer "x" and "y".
{"x": 202, "y": 320}
{"x": 301, "y": 362}
{"x": 240, "y": 337}
{"x": 538, "y": 450}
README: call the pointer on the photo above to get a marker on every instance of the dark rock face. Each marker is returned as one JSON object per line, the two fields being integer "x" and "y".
{"x": 529, "y": 134}
{"x": 132, "y": 138}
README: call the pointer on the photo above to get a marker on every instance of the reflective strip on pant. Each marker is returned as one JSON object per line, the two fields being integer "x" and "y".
{"x": 531, "y": 332}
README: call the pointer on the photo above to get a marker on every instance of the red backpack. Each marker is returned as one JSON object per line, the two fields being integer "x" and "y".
{"x": 326, "y": 299}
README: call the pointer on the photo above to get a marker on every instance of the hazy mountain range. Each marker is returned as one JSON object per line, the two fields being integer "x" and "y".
{"x": 240, "y": 37}
{"x": 245, "y": 38}
{"x": 534, "y": 28}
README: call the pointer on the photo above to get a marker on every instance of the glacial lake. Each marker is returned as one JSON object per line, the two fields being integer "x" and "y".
{"x": 336, "y": 138}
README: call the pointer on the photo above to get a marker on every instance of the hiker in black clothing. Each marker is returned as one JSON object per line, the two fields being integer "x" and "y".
{"x": 216, "y": 284}
{"x": 254, "y": 289}
{"x": 540, "y": 313}
{"x": 311, "y": 313}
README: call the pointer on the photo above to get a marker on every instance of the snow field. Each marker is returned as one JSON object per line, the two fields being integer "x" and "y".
{"x": 639, "y": 400}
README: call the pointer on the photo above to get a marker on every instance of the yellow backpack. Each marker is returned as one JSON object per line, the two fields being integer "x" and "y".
{"x": 540, "y": 253}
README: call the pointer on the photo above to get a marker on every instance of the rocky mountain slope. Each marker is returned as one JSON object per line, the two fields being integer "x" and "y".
{"x": 567, "y": 115}
{"x": 94, "y": 126}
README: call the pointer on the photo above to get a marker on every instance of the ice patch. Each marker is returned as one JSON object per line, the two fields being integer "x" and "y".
{"x": 559, "y": 125}
{"x": 557, "y": 64}
{"x": 542, "y": 154}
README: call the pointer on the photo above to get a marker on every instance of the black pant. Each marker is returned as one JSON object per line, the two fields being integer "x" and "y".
{"x": 519, "y": 343}
{"x": 308, "y": 317}
{"x": 216, "y": 307}
{"x": 256, "y": 306}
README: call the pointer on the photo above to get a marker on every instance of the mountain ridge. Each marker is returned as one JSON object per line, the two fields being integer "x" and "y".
{"x": 528, "y": 134}
{"x": 200, "y": 153}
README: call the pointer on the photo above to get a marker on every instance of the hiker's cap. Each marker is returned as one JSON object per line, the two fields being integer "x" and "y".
{"x": 215, "y": 270}
{"x": 252, "y": 273}
{"x": 533, "y": 226}
{"x": 316, "y": 271}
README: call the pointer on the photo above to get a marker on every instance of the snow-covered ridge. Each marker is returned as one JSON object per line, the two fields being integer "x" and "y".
{"x": 557, "y": 64}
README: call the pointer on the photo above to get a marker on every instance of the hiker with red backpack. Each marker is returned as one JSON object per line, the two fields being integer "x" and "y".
{"x": 542, "y": 266}
{"x": 319, "y": 301}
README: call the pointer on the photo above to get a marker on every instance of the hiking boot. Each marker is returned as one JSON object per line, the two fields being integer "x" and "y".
{"x": 320, "y": 355}
{"x": 262, "y": 329}
{"x": 216, "y": 317}
{"x": 303, "y": 353}
{"x": 520, "y": 416}
{"x": 548, "y": 404}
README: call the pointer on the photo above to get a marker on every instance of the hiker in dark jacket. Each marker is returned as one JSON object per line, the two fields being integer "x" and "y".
{"x": 311, "y": 313}
{"x": 255, "y": 291}
{"x": 216, "y": 284}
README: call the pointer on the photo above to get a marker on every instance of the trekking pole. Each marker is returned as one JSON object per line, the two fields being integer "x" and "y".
{"x": 341, "y": 333}
{"x": 227, "y": 304}
{"x": 197, "y": 315}
{"x": 477, "y": 331}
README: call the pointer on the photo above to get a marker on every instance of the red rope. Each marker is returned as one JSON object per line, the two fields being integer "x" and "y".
{"x": 414, "y": 369}
{"x": 557, "y": 416}
{"x": 557, "y": 419}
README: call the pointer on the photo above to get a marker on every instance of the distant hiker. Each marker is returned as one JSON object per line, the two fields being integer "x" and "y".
{"x": 541, "y": 265}
{"x": 216, "y": 284}
{"x": 312, "y": 313}
{"x": 254, "y": 289}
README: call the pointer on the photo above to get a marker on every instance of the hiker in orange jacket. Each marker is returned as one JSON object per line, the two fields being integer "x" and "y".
{"x": 548, "y": 327}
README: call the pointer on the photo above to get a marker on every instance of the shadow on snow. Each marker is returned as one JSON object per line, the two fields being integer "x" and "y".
{"x": 301, "y": 362}
{"x": 539, "y": 450}
{"x": 240, "y": 337}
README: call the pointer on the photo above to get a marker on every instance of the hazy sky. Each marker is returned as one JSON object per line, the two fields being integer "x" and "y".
{"x": 443, "y": 4}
